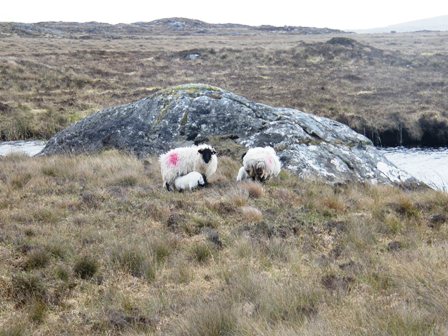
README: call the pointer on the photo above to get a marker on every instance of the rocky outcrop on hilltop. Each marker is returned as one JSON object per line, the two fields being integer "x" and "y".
{"x": 308, "y": 145}
{"x": 167, "y": 26}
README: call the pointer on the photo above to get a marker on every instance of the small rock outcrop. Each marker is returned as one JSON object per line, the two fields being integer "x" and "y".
{"x": 308, "y": 145}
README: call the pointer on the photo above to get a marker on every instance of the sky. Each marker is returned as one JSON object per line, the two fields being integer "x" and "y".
{"x": 337, "y": 14}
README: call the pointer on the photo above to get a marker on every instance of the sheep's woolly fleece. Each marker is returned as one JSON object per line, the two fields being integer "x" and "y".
{"x": 183, "y": 160}
{"x": 259, "y": 163}
{"x": 189, "y": 182}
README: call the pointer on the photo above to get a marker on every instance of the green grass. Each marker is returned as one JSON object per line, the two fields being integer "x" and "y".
{"x": 27, "y": 288}
{"x": 201, "y": 253}
{"x": 85, "y": 267}
{"x": 135, "y": 262}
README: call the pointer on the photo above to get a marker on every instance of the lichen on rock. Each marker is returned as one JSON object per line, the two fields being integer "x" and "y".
{"x": 308, "y": 145}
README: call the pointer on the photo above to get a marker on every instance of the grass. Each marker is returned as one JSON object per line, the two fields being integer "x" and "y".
{"x": 201, "y": 253}
{"x": 209, "y": 320}
{"x": 26, "y": 288}
{"x": 36, "y": 259}
{"x": 134, "y": 262}
{"x": 389, "y": 87}
{"x": 289, "y": 257}
{"x": 85, "y": 267}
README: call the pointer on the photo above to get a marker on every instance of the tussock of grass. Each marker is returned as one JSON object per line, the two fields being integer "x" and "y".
{"x": 251, "y": 214}
{"x": 85, "y": 267}
{"x": 162, "y": 248}
{"x": 62, "y": 273}
{"x": 135, "y": 262}
{"x": 114, "y": 255}
{"x": 201, "y": 252}
{"x": 254, "y": 189}
{"x": 37, "y": 259}
{"x": 37, "y": 312}
{"x": 238, "y": 197}
{"x": 213, "y": 319}
{"x": 26, "y": 288}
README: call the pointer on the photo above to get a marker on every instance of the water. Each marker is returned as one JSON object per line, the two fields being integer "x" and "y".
{"x": 427, "y": 165}
{"x": 25, "y": 147}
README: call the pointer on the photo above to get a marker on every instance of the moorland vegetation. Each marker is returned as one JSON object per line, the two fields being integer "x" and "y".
{"x": 94, "y": 245}
{"x": 389, "y": 87}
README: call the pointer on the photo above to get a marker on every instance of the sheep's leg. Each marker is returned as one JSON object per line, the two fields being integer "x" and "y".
{"x": 168, "y": 187}
{"x": 205, "y": 180}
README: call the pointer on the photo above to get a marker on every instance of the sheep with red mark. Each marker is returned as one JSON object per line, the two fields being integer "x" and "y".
{"x": 259, "y": 164}
{"x": 183, "y": 160}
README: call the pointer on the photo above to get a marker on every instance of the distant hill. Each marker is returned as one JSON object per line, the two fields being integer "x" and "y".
{"x": 439, "y": 23}
{"x": 168, "y": 26}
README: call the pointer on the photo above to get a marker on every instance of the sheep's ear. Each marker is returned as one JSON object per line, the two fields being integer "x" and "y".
{"x": 242, "y": 156}
{"x": 211, "y": 149}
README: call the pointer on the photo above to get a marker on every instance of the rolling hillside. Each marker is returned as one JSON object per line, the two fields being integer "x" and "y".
{"x": 439, "y": 23}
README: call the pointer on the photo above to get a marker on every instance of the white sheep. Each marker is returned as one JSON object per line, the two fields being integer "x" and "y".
{"x": 189, "y": 182}
{"x": 259, "y": 164}
{"x": 242, "y": 174}
{"x": 183, "y": 160}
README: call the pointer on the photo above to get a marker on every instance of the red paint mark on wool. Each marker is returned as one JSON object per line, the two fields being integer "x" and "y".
{"x": 270, "y": 161}
{"x": 173, "y": 159}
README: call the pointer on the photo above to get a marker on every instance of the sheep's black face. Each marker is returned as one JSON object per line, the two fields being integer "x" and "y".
{"x": 259, "y": 175}
{"x": 207, "y": 154}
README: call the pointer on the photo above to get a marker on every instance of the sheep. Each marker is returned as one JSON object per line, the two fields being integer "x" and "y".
{"x": 242, "y": 174}
{"x": 259, "y": 164}
{"x": 189, "y": 182}
{"x": 183, "y": 160}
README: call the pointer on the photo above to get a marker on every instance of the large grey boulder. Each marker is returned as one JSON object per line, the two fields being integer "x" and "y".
{"x": 308, "y": 145}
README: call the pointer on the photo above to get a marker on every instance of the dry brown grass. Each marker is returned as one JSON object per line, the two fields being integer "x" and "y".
{"x": 251, "y": 214}
{"x": 94, "y": 245}
{"x": 254, "y": 189}
{"x": 378, "y": 86}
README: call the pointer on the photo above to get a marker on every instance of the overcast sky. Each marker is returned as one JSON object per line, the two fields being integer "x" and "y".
{"x": 340, "y": 14}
